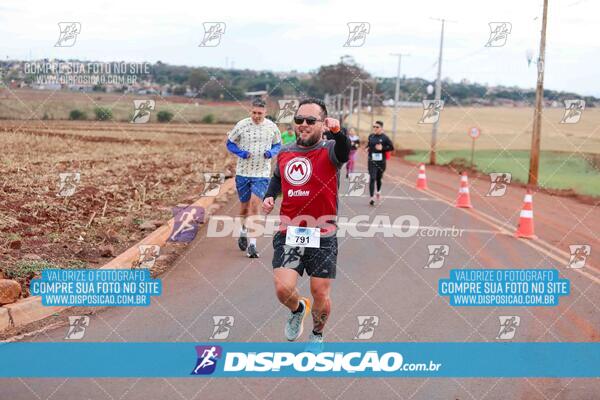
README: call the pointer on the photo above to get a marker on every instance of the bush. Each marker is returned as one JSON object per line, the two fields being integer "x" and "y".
{"x": 179, "y": 90}
{"x": 164, "y": 116}
{"x": 208, "y": 119}
{"x": 77, "y": 115}
{"x": 103, "y": 113}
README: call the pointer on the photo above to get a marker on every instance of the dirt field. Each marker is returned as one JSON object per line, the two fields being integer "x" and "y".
{"x": 130, "y": 175}
{"x": 501, "y": 128}
{"x": 56, "y": 105}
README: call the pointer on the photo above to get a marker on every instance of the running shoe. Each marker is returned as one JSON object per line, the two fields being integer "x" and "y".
{"x": 243, "y": 242}
{"x": 372, "y": 202}
{"x": 295, "y": 323}
{"x": 252, "y": 253}
{"x": 315, "y": 344}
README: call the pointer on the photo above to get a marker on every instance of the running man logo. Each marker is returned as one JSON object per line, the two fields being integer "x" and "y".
{"x": 68, "y": 183}
{"x": 186, "y": 223}
{"x": 148, "y": 255}
{"x": 366, "y": 326}
{"x": 141, "y": 111}
{"x": 207, "y": 359}
{"x": 508, "y": 327}
{"x": 292, "y": 256}
{"x": 357, "y": 183}
{"x": 573, "y": 111}
{"x": 431, "y": 111}
{"x": 499, "y": 32}
{"x": 212, "y": 183}
{"x": 499, "y": 182}
{"x": 357, "y": 33}
{"x": 579, "y": 255}
{"x": 68, "y": 34}
{"x": 212, "y": 34}
{"x": 437, "y": 255}
{"x": 77, "y": 325}
{"x": 287, "y": 110}
{"x": 298, "y": 171}
{"x": 223, "y": 325}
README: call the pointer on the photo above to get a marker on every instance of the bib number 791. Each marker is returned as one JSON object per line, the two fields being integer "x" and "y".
{"x": 298, "y": 236}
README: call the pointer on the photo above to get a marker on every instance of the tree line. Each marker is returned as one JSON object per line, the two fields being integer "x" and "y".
{"x": 231, "y": 84}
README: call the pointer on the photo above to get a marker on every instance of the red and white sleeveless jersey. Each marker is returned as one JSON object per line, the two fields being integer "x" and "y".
{"x": 309, "y": 184}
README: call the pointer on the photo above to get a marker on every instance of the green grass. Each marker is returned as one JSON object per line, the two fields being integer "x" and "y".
{"x": 557, "y": 170}
{"x": 29, "y": 269}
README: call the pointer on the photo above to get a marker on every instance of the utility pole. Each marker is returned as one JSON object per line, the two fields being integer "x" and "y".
{"x": 438, "y": 96}
{"x": 396, "y": 95}
{"x": 359, "y": 106}
{"x": 534, "y": 159}
{"x": 373, "y": 104}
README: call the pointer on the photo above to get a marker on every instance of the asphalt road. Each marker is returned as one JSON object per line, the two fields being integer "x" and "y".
{"x": 378, "y": 276}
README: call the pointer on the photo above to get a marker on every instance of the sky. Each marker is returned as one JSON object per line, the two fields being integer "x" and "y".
{"x": 303, "y": 35}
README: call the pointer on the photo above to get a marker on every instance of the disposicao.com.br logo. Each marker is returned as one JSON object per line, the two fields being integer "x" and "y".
{"x": 357, "y": 226}
{"x": 259, "y": 363}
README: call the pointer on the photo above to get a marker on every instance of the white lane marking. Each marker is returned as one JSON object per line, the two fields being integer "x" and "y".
{"x": 418, "y": 227}
{"x": 399, "y": 198}
{"x": 410, "y": 198}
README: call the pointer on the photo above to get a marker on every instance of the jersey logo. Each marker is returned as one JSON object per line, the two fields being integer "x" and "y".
{"x": 298, "y": 171}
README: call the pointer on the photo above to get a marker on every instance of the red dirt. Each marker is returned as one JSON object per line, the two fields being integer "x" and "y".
{"x": 124, "y": 182}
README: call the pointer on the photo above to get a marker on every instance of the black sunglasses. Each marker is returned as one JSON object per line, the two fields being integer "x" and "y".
{"x": 309, "y": 120}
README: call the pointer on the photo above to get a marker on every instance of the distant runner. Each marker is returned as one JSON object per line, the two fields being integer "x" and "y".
{"x": 378, "y": 143}
{"x": 355, "y": 142}
{"x": 288, "y": 136}
{"x": 307, "y": 174}
{"x": 255, "y": 140}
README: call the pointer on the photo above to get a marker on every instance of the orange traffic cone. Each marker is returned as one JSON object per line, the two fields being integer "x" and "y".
{"x": 422, "y": 178}
{"x": 525, "y": 227}
{"x": 464, "y": 198}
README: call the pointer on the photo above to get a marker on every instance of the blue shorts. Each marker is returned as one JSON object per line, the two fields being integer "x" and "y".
{"x": 247, "y": 185}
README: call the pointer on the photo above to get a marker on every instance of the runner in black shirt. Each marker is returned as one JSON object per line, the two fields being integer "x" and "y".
{"x": 378, "y": 143}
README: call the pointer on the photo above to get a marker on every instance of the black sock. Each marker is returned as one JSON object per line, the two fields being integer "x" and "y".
{"x": 299, "y": 309}
{"x": 317, "y": 333}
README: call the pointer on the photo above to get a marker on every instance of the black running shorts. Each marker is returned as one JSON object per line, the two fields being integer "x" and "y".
{"x": 317, "y": 262}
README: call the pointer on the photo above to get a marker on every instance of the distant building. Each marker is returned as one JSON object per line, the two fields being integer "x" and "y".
{"x": 258, "y": 94}
{"x": 405, "y": 104}
{"x": 47, "y": 86}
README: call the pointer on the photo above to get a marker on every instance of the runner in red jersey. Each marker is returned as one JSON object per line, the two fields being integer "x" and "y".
{"x": 307, "y": 174}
